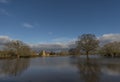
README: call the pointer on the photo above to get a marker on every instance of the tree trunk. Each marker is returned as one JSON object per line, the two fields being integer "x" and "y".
{"x": 87, "y": 53}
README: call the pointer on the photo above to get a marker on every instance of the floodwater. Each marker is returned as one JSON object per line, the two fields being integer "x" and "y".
{"x": 60, "y": 69}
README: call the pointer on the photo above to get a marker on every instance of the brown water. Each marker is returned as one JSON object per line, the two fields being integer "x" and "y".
{"x": 60, "y": 69}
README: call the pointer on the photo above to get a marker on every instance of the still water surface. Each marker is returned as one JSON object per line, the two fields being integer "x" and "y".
{"x": 60, "y": 69}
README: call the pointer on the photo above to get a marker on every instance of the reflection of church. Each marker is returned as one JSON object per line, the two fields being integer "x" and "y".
{"x": 44, "y": 53}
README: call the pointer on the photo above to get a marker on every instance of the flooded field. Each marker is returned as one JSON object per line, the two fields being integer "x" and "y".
{"x": 60, "y": 69}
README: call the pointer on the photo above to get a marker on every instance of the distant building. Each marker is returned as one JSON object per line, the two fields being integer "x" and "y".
{"x": 44, "y": 53}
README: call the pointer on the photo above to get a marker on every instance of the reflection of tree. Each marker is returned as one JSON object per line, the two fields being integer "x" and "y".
{"x": 89, "y": 70}
{"x": 14, "y": 67}
{"x": 114, "y": 68}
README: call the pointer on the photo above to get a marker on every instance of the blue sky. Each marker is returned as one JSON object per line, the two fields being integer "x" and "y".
{"x": 37, "y": 21}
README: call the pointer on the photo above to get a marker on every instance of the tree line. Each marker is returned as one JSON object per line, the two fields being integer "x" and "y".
{"x": 16, "y": 49}
{"x": 89, "y": 44}
{"x": 86, "y": 44}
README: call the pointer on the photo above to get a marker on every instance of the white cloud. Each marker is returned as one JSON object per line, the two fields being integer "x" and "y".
{"x": 109, "y": 38}
{"x": 4, "y": 39}
{"x": 4, "y": 12}
{"x": 55, "y": 44}
{"x": 27, "y": 25}
{"x": 4, "y": 1}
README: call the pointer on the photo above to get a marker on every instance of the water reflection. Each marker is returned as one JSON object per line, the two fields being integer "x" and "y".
{"x": 89, "y": 70}
{"x": 112, "y": 69}
{"x": 13, "y": 67}
{"x": 60, "y": 69}
{"x": 97, "y": 69}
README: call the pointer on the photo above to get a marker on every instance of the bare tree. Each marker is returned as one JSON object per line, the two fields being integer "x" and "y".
{"x": 18, "y": 48}
{"x": 87, "y": 43}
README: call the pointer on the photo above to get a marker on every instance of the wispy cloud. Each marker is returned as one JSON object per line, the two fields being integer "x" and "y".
{"x": 50, "y": 33}
{"x": 28, "y": 25}
{"x": 4, "y": 12}
{"x": 5, "y": 1}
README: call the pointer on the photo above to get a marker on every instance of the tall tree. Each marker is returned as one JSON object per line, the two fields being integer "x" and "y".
{"x": 87, "y": 43}
{"x": 18, "y": 48}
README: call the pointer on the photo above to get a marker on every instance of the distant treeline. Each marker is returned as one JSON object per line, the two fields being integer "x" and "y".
{"x": 86, "y": 44}
{"x": 18, "y": 49}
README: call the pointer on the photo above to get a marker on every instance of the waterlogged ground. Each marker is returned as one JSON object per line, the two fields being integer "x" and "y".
{"x": 60, "y": 69}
